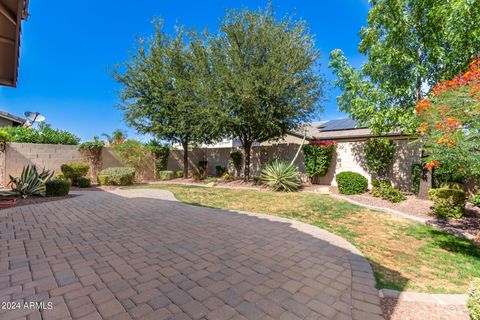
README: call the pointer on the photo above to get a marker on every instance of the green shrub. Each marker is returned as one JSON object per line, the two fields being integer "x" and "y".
{"x": 279, "y": 175}
{"x": 448, "y": 203}
{"x": 384, "y": 189}
{"x": 219, "y": 171}
{"x": 197, "y": 176}
{"x": 84, "y": 182}
{"x": 43, "y": 134}
{"x": 120, "y": 176}
{"x": 475, "y": 200}
{"x": 416, "y": 175}
{"x": 236, "y": 159}
{"x": 227, "y": 177}
{"x": 133, "y": 153}
{"x": 349, "y": 182}
{"x": 165, "y": 175}
{"x": 202, "y": 168}
{"x": 257, "y": 181}
{"x": 473, "y": 301}
{"x": 59, "y": 176}
{"x": 4, "y": 136}
{"x": 179, "y": 174}
{"x": 57, "y": 188}
{"x": 379, "y": 154}
{"x": 161, "y": 152}
{"x": 317, "y": 158}
{"x": 451, "y": 185}
{"x": 74, "y": 170}
{"x": 29, "y": 183}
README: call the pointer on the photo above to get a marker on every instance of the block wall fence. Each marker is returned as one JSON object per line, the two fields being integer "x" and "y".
{"x": 349, "y": 156}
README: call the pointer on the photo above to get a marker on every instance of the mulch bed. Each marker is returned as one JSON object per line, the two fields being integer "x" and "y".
{"x": 401, "y": 310}
{"x": 469, "y": 223}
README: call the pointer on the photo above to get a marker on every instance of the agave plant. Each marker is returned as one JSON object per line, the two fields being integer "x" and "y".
{"x": 280, "y": 175}
{"x": 30, "y": 183}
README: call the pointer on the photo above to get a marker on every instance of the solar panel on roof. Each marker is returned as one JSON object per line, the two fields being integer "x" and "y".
{"x": 340, "y": 124}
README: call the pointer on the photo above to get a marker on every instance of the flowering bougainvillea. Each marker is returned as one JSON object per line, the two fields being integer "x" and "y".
{"x": 450, "y": 123}
{"x": 317, "y": 157}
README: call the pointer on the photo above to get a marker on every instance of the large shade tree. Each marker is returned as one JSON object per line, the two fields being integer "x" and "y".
{"x": 163, "y": 89}
{"x": 267, "y": 80}
{"x": 410, "y": 46}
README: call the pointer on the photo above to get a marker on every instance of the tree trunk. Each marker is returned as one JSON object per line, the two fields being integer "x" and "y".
{"x": 185, "y": 159}
{"x": 425, "y": 183}
{"x": 247, "y": 147}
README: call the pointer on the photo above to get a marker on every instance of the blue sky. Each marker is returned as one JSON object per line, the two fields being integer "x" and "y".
{"x": 68, "y": 48}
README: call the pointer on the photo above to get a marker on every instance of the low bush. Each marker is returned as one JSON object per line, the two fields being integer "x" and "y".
{"x": 74, "y": 170}
{"x": 227, "y": 177}
{"x": 279, "y": 175}
{"x": 179, "y": 174}
{"x": 384, "y": 189}
{"x": 473, "y": 301}
{"x": 475, "y": 200}
{"x": 448, "y": 203}
{"x": 236, "y": 160}
{"x": 84, "y": 182}
{"x": 451, "y": 185}
{"x": 219, "y": 171}
{"x": 120, "y": 176}
{"x": 198, "y": 176}
{"x": 257, "y": 181}
{"x": 165, "y": 175}
{"x": 202, "y": 168}
{"x": 349, "y": 182}
{"x": 57, "y": 188}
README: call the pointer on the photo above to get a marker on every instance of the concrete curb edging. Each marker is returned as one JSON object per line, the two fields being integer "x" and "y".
{"x": 443, "y": 299}
{"x": 398, "y": 214}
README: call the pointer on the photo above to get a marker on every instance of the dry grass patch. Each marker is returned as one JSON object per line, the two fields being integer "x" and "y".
{"x": 404, "y": 255}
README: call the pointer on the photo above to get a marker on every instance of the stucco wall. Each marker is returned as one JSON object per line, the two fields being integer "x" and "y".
{"x": 349, "y": 156}
{"x": 51, "y": 157}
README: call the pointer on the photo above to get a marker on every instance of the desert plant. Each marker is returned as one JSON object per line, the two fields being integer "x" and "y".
{"x": 236, "y": 160}
{"x": 384, "y": 189}
{"x": 280, "y": 175}
{"x": 29, "y": 183}
{"x": 349, "y": 182}
{"x": 83, "y": 182}
{"x": 448, "y": 203}
{"x": 473, "y": 301}
{"x": 179, "y": 174}
{"x": 57, "y": 188}
{"x": 317, "y": 157}
{"x": 379, "y": 154}
{"x": 120, "y": 176}
{"x": 74, "y": 170}
{"x": 166, "y": 175}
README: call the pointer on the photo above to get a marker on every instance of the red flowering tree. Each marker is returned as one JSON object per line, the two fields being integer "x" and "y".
{"x": 450, "y": 124}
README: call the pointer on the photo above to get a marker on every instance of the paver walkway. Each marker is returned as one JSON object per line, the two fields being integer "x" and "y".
{"x": 138, "y": 254}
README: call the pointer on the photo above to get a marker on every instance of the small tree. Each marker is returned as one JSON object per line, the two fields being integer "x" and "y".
{"x": 379, "y": 155}
{"x": 450, "y": 124}
{"x": 266, "y": 76}
{"x": 163, "y": 89}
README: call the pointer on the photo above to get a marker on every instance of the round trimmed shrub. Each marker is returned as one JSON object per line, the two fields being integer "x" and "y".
{"x": 448, "y": 203}
{"x": 179, "y": 174}
{"x": 84, "y": 182}
{"x": 74, "y": 170}
{"x": 349, "y": 182}
{"x": 57, "y": 188}
{"x": 165, "y": 175}
{"x": 118, "y": 176}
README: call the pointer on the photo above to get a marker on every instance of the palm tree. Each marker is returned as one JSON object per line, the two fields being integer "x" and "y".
{"x": 118, "y": 136}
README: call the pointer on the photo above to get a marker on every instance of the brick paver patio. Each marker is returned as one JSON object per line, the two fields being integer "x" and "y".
{"x": 136, "y": 254}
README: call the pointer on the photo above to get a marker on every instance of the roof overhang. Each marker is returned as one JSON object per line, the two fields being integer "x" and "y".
{"x": 11, "y": 14}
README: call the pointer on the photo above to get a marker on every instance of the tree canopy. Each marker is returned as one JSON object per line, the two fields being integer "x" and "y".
{"x": 410, "y": 45}
{"x": 266, "y": 75}
{"x": 162, "y": 91}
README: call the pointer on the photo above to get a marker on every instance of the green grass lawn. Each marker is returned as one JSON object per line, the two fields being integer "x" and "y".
{"x": 404, "y": 255}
